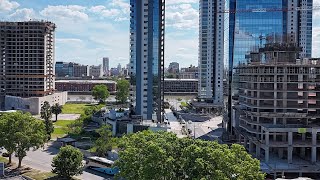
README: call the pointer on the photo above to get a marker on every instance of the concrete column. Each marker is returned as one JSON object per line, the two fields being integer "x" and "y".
{"x": 245, "y": 142}
{"x": 275, "y": 120}
{"x": 290, "y": 138}
{"x": 267, "y": 138}
{"x": 290, "y": 149}
{"x": 314, "y": 137}
{"x": 266, "y": 154}
{"x": 313, "y": 154}
{"x": 274, "y": 136}
{"x": 258, "y": 151}
{"x": 250, "y": 146}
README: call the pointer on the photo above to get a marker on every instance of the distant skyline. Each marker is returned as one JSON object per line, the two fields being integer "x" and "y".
{"x": 87, "y": 31}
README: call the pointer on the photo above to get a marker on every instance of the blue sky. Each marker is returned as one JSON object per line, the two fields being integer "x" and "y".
{"x": 88, "y": 30}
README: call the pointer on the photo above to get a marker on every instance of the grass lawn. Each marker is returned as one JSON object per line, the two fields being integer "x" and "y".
{"x": 76, "y": 108}
{"x": 61, "y": 128}
{"x": 3, "y": 159}
{"x": 38, "y": 175}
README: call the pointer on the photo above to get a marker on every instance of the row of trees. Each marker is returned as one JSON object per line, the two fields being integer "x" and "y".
{"x": 21, "y": 132}
{"x": 161, "y": 155}
{"x": 101, "y": 93}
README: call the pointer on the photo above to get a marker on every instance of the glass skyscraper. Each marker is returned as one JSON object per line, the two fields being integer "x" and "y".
{"x": 253, "y": 23}
{"x": 147, "y": 57}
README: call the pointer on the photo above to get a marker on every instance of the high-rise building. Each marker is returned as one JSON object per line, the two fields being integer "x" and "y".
{"x": 173, "y": 68}
{"x": 96, "y": 71}
{"x": 252, "y": 23}
{"x": 27, "y": 74}
{"x": 211, "y": 51}
{"x": 278, "y": 110}
{"x": 80, "y": 70}
{"x": 105, "y": 64}
{"x": 147, "y": 57}
{"x": 27, "y": 58}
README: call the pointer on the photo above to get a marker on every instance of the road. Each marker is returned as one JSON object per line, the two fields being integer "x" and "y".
{"x": 41, "y": 159}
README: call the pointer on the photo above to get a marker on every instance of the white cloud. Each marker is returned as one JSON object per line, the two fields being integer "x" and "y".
{"x": 125, "y": 7}
{"x": 24, "y": 14}
{"x": 7, "y": 5}
{"x": 102, "y": 10}
{"x": 182, "y": 16}
{"x": 70, "y": 12}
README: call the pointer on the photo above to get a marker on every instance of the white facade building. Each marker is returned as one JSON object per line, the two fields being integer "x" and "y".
{"x": 211, "y": 51}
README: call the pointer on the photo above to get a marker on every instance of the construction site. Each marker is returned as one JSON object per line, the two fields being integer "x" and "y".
{"x": 278, "y": 110}
{"x": 27, "y": 64}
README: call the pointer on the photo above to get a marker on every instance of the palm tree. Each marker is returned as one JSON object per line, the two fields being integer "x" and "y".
{"x": 56, "y": 109}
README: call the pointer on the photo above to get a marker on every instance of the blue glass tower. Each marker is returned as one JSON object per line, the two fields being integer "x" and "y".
{"x": 253, "y": 23}
{"x": 147, "y": 57}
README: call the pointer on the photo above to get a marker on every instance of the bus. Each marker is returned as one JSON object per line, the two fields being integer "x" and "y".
{"x": 102, "y": 165}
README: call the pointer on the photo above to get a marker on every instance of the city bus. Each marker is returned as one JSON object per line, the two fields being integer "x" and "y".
{"x": 102, "y": 165}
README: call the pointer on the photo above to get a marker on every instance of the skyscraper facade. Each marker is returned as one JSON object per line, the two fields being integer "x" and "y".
{"x": 255, "y": 23}
{"x": 105, "y": 64}
{"x": 147, "y": 57}
{"x": 211, "y": 51}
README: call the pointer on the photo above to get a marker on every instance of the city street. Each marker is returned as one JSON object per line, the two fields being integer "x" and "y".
{"x": 41, "y": 159}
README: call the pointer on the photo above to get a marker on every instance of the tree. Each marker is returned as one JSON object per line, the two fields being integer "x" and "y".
{"x": 161, "y": 155}
{"x": 104, "y": 142}
{"x": 68, "y": 162}
{"x": 7, "y": 129}
{"x": 56, "y": 109}
{"x": 20, "y": 132}
{"x": 100, "y": 93}
{"x": 123, "y": 90}
{"x": 46, "y": 114}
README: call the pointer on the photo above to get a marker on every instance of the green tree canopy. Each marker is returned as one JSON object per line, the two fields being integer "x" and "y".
{"x": 100, "y": 93}
{"x": 104, "y": 142}
{"x": 123, "y": 90}
{"x": 161, "y": 155}
{"x": 21, "y": 132}
{"x": 46, "y": 114}
{"x": 56, "y": 109}
{"x": 68, "y": 162}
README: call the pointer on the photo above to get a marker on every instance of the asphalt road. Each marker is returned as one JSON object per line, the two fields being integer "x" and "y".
{"x": 41, "y": 159}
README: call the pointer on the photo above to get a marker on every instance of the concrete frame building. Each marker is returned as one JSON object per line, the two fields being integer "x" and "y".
{"x": 27, "y": 73}
{"x": 147, "y": 57}
{"x": 279, "y": 109}
{"x": 211, "y": 51}
{"x": 254, "y": 24}
{"x": 180, "y": 86}
{"x": 27, "y": 58}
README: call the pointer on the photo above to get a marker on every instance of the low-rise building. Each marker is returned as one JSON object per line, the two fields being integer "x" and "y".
{"x": 181, "y": 86}
{"x": 189, "y": 73}
{"x": 83, "y": 85}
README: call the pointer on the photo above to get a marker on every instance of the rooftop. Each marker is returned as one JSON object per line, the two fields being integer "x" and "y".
{"x": 86, "y": 81}
{"x": 173, "y": 79}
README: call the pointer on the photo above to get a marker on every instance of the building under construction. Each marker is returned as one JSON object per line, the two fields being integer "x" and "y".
{"x": 278, "y": 112}
{"x": 26, "y": 60}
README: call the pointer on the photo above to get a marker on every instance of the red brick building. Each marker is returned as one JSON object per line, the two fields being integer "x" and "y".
{"x": 83, "y": 85}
